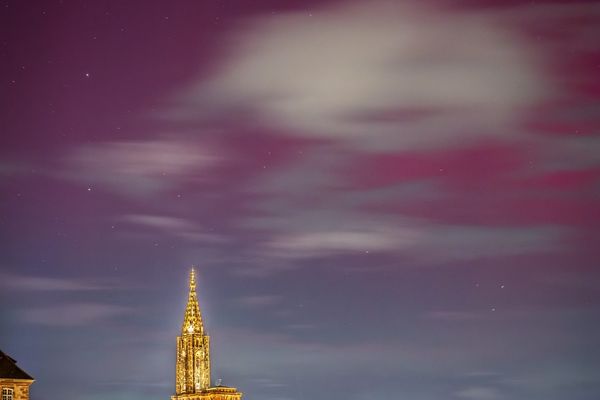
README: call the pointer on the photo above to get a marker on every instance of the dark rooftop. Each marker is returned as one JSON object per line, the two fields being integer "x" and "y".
{"x": 9, "y": 368}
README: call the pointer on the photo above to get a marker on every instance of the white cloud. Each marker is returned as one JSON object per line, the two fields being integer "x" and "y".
{"x": 479, "y": 393}
{"x": 258, "y": 301}
{"x": 570, "y": 153}
{"x": 79, "y": 314}
{"x": 311, "y": 244}
{"x": 38, "y": 283}
{"x": 160, "y": 222}
{"x": 309, "y": 235}
{"x": 445, "y": 243}
{"x": 555, "y": 377}
{"x": 415, "y": 77}
{"x": 177, "y": 227}
{"x": 140, "y": 167}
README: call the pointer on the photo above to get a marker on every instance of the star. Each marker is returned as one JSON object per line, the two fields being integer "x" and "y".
{"x": 87, "y": 74}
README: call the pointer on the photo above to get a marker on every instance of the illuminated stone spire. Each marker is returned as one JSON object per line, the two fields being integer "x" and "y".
{"x": 192, "y": 370}
{"x": 192, "y": 322}
{"x": 193, "y": 349}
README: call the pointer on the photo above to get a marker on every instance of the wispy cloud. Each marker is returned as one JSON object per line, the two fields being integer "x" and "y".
{"x": 40, "y": 283}
{"x": 312, "y": 244}
{"x": 77, "y": 314}
{"x": 478, "y": 393}
{"x": 417, "y": 78}
{"x": 259, "y": 301}
{"x": 463, "y": 243}
{"x": 177, "y": 227}
{"x": 12, "y": 167}
{"x": 140, "y": 167}
{"x": 348, "y": 232}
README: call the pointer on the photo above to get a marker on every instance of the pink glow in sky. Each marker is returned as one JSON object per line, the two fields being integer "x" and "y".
{"x": 383, "y": 199}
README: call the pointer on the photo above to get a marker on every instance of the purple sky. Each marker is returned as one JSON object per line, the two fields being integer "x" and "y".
{"x": 383, "y": 199}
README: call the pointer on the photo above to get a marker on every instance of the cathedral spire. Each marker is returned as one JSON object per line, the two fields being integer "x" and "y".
{"x": 192, "y": 368}
{"x": 192, "y": 321}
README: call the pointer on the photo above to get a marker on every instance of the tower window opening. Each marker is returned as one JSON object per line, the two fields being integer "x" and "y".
{"x": 7, "y": 394}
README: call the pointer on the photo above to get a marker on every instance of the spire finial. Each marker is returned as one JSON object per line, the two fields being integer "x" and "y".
{"x": 192, "y": 280}
{"x": 192, "y": 321}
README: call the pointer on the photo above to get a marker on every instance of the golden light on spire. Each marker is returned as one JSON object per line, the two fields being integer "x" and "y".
{"x": 193, "y": 347}
{"x": 192, "y": 322}
{"x": 192, "y": 371}
{"x": 193, "y": 280}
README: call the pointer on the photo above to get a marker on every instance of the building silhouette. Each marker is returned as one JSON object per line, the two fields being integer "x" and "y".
{"x": 14, "y": 382}
{"x": 192, "y": 371}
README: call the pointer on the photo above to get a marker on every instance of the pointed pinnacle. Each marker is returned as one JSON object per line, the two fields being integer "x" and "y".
{"x": 193, "y": 280}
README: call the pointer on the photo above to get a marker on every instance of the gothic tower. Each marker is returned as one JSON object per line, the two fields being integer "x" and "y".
{"x": 192, "y": 371}
{"x": 193, "y": 348}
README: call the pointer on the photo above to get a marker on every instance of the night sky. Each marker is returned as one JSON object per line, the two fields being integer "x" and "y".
{"x": 383, "y": 200}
